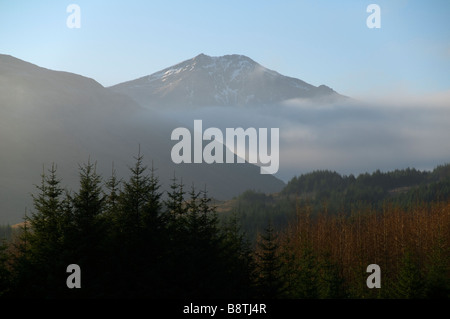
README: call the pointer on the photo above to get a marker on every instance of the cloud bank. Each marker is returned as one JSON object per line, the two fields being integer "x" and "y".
{"x": 354, "y": 137}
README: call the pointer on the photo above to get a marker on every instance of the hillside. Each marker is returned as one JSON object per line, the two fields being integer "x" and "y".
{"x": 49, "y": 116}
{"x": 339, "y": 194}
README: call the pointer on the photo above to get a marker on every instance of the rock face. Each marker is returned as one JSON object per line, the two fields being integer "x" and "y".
{"x": 230, "y": 80}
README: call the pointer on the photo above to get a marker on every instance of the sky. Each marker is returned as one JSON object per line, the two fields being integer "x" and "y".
{"x": 319, "y": 41}
{"x": 397, "y": 75}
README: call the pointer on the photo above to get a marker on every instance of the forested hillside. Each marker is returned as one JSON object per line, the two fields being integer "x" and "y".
{"x": 127, "y": 240}
{"x": 334, "y": 193}
{"x": 131, "y": 242}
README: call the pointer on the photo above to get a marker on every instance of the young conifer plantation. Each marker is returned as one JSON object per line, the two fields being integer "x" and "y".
{"x": 132, "y": 241}
{"x": 127, "y": 241}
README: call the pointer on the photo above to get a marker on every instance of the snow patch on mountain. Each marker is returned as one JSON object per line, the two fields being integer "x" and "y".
{"x": 229, "y": 80}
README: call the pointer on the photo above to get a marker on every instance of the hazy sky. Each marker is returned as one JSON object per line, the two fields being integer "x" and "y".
{"x": 318, "y": 41}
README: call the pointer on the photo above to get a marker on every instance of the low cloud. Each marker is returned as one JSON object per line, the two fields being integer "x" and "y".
{"x": 352, "y": 137}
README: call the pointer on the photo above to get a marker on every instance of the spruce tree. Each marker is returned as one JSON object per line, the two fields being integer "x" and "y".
{"x": 331, "y": 282}
{"x": 88, "y": 202}
{"x": 42, "y": 262}
{"x": 140, "y": 237}
{"x": 140, "y": 209}
{"x": 133, "y": 199}
{"x": 410, "y": 283}
{"x": 39, "y": 263}
{"x": 238, "y": 261}
{"x": 22, "y": 280}
{"x": 176, "y": 208}
{"x": 47, "y": 221}
{"x": 112, "y": 197}
{"x": 269, "y": 280}
{"x": 438, "y": 272}
{"x": 307, "y": 276}
{"x": 87, "y": 231}
{"x": 152, "y": 216}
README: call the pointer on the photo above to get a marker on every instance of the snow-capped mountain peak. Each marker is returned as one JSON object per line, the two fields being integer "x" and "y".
{"x": 229, "y": 80}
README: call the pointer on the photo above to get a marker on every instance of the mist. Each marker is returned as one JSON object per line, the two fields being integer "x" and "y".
{"x": 351, "y": 138}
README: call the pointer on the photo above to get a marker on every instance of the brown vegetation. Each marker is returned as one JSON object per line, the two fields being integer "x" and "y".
{"x": 349, "y": 243}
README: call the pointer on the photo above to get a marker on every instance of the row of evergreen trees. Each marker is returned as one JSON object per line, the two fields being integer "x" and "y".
{"x": 374, "y": 189}
{"x": 129, "y": 241}
{"x": 326, "y": 256}
{"x": 324, "y": 189}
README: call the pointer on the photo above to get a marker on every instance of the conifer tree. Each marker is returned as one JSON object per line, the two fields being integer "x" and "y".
{"x": 39, "y": 261}
{"x": 239, "y": 264}
{"x": 140, "y": 202}
{"x": 176, "y": 208}
{"x": 307, "y": 275}
{"x": 438, "y": 275}
{"x": 133, "y": 198}
{"x": 410, "y": 283}
{"x": 289, "y": 268}
{"x": 193, "y": 217}
{"x": 112, "y": 198}
{"x": 47, "y": 221}
{"x": 205, "y": 243}
{"x": 331, "y": 283}
{"x": 269, "y": 281}
{"x": 152, "y": 219}
{"x": 208, "y": 216}
{"x": 139, "y": 231}
{"x": 89, "y": 202}
{"x": 87, "y": 230}
{"x": 22, "y": 272}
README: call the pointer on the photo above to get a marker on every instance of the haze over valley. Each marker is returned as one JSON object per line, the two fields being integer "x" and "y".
{"x": 51, "y": 116}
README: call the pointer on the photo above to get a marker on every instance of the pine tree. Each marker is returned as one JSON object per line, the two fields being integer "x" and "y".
{"x": 46, "y": 238}
{"x": 47, "y": 222}
{"x": 112, "y": 198}
{"x": 176, "y": 208}
{"x": 269, "y": 281}
{"x": 39, "y": 260}
{"x": 410, "y": 283}
{"x": 153, "y": 239}
{"x": 331, "y": 283}
{"x": 140, "y": 239}
{"x": 87, "y": 231}
{"x": 289, "y": 269}
{"x": 22, "y": 280}
{"x": 208, "y": 218}
{"x": 306, "y": 282}
{"x": 152, "y": 216}
{"x": 437, "y": 278}
{"x": 88, "y": 203}
{"x": 132, "y": 199}
{"x": 139, "y": 202}
{"x": 238, "y": 261}
{"x": 193, "y": 219}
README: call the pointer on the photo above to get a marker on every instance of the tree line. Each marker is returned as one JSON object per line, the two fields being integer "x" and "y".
{"x": 337, "y": 194}
{"x": 131, "y": 240}
{"x": 342, "y": 192}
{"x": 326, "y": 255}
{"x": 128, "y": 241}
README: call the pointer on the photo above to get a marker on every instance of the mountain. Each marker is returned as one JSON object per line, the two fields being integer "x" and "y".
{"x": 58, "y": 117}
{"x": 229, "y": 80}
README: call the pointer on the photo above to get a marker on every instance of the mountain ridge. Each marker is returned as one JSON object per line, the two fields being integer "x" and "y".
{"x": 64, "y": 118}
{"x": 228, "y": 80}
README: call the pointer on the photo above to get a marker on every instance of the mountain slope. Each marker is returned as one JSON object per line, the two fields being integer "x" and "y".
{"x": 51, "y": 116}
{"x": 219, "y": 81}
